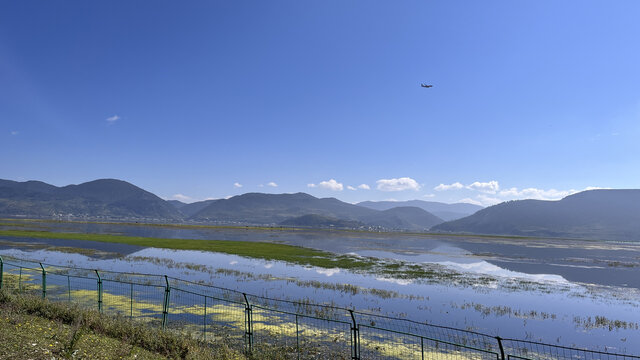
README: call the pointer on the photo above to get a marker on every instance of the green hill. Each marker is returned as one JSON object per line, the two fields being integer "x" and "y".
{"x": 447, "y": 212}
{"x": 594, "y": 214}
{"x": 108, "y": 198}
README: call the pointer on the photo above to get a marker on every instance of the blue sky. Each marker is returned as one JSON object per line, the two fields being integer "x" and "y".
{"x": 189, "y": 100}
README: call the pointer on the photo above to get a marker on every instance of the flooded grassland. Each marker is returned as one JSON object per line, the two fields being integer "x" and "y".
{"x": 569, "y": 292}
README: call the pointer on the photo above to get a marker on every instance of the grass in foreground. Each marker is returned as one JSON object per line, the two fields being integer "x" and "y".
{"x": 26, "y": 336}
{"x": 33, "y": 328}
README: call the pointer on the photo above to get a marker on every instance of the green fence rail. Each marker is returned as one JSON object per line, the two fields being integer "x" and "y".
{"x": 250, "y": 323}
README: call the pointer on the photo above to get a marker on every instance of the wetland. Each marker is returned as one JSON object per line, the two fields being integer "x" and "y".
{"x": 560, "y": 291}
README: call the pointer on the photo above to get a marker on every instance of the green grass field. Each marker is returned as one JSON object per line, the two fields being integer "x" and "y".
{"x": 262, "y": 250}
{"x": 259, "y": 250}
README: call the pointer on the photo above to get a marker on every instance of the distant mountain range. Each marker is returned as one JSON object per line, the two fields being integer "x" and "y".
{"x": 446, "y": 212}
{"x": 593, "y": 214}
{"x": 119, "y": 200}
{"x": 281, "y": 209}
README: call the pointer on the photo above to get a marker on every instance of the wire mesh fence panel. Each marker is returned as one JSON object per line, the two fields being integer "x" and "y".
{"x": 318, "y": 337}
{"x": 30, "y": 281}
{"x": 378, "y": 343}
{"x": 443, "y": 333}
{"x": 147, "y": 303}
{"x": 186, "y": 312}
{"x": 213, "y": 320}
{"x": 381, "y": 343}
{"x": 277, "y": 328}
{"x": 301, "y": 307}
{"x": 224, "y": 322}
{"x": 207, "y": 290}
{"x": 58, "y": 286}
{"x": 84, "y": 291}
{"x": 273, "y": 329}
{"x": 12, "y": 277}
{"x": 292, "y": 335}
{"x": 530, "y": 350}
{"x": 118, "y": 298}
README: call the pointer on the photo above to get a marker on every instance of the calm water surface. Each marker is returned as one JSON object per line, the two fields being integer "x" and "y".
{"x": 566, "y": 283}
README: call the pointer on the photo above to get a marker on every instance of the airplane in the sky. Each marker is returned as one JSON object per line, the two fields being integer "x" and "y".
{"x": 426, "y": 86}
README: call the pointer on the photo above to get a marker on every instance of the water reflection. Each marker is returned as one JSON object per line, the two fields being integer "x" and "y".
{"x": 554, "y": 310}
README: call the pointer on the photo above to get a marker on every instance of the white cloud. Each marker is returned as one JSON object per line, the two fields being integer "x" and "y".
{"x": 399, "y": 184}
{"x": 112, "y": 119}
{"x": 332, "y": 185}
{"x": 488, "y": 200}
{"x": 272, "y": 184}
{"x": 261, "y": 185}
{"x": 351, "y": 188}
{"x": 443, "y": 187}
{"x": 520, "y": 194}
{"x": 228, "y": 197}
{"x": 183, "y": 198}
{"x": 395, "y": 281}
{"x": 510, "y": 192}
{"x": 470, "y": 201}
{"x": 14, "y": 133}
{"x": 534, "y": 193}
{"x": 429, "y": 195}
{"x": 515, "y": 193}
{"x": 489, "y": 187}
{"x": 328, "y": 272}
{"x": 237, "y": 185}
{"x": 364, "y": 187}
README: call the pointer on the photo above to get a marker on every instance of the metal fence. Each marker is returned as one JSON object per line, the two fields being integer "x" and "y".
{"x": 253, "y": 323}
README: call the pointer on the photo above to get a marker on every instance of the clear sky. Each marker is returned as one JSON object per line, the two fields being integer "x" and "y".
{"x": 206, "y": 99}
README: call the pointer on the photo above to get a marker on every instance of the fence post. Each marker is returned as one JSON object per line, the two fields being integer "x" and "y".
{"x": 204, "y": 320}
{"x": 99, "y": 291}
{"x": 248, "y": 325}
{"x": 1, "y": 270}
{"x": 501, "y": 348}
{"x": 297, "y": 338}
{"x": 165, "y": 304}
{"x": 44, "y": 282}
{"x": 355, "y": 338}
{"x": 131, "y": 303}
